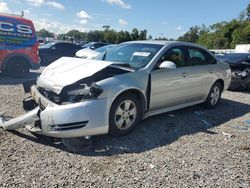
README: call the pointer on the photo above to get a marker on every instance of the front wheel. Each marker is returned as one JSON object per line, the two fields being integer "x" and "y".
{"x": 124, "y": 115}
{"x": 214, "y": 96}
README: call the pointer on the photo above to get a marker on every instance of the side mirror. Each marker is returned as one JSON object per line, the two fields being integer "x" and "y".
{"x": 53, "y": 48}
{"x": 167, "y": 65}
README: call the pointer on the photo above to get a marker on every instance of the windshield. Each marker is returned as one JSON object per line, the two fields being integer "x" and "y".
{"x": 49, "y": 45}
{"x": 133, "y": 55}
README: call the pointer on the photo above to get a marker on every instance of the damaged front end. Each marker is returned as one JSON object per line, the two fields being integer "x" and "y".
{"x": 240, "y": 77}
{"x": 67, "y": 108}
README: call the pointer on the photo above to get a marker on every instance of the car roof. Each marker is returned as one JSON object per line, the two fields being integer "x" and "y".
{"x": 62, "y": 42}
{"x": 165, "y": 42}
{"x": 160, "y": 42}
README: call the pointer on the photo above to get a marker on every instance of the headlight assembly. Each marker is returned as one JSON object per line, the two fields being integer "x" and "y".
{"x": 85, "y": 93}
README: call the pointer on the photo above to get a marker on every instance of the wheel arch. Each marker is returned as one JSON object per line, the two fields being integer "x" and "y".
{"x": 15, "y": 56}
{"x": 221, "y": 82}
{"x": 136, "y": 92}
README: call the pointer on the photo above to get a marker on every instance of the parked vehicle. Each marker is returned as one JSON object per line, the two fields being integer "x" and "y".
{"x": 88, "y": 53}
{"x": 134, "y": 80}
{"x": 80, "y": 43}
{"x": 240, "y": 66}
{"x": 54, "y": 50}
{"x": 94, "y": 45}
{"x": 18, "y": 45}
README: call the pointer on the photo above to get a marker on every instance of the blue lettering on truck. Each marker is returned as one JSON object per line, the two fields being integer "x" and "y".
{"x": 15, "y": 33}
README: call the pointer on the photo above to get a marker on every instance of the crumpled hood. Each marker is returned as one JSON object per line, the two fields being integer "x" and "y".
{"x": 67, "y": 70}
{"x": 87, "y": 53}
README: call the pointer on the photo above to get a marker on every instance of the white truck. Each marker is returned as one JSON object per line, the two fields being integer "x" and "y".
{"x": 242, "y": 48}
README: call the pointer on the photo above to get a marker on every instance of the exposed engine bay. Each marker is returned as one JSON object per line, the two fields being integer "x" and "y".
{"x": 83, "y": 89}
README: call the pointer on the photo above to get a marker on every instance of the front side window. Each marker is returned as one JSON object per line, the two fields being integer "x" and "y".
{"x": 133, "y": 55}
{"x": 176, "y": 55}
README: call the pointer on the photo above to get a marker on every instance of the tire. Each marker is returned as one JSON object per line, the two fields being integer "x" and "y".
{"x": 214, "y": 96}
{"x": 18, "y": 67}
{"x": 125, "y": 114}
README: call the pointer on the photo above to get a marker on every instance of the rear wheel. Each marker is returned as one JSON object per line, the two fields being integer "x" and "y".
{"x": 214, "y": 96}
{"x": 18, "y": 67}
{"x": 124, "y": 115}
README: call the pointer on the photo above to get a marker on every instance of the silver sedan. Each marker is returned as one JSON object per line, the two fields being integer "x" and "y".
{"x": 130, "y": 82}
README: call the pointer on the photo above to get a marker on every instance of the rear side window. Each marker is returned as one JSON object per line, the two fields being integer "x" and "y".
{"x": 200, "y": 57}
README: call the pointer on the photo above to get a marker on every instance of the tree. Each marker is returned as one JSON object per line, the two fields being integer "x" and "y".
{"x": 106, "y": 27}
{"x": 248, "y": 12}
{"x": 75, "y": 34}
{"x": 135, "y": 34}
{"x": 95, "y": 36}
{"x": 150, "y": 37}
{"x": 191, "y": 36}
{"x": 110, "y": 36}
{"x": 44, "y": 33}
{"x": 143, "y": 35}
{"x": 223, "y": 34}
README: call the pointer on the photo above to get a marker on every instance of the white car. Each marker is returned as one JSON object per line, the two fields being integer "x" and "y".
{"x": 88, "y": 53}
{"x": 130, "y": 82}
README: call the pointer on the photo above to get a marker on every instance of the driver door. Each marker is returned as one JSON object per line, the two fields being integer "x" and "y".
{"x": 170, "y": 87}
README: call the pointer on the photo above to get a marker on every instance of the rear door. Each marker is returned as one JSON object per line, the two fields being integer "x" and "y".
{"x": 202, "y": 73}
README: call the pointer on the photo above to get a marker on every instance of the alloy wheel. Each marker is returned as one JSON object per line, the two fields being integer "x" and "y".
{"x": 215, "y": 95}
{"x": 125, "y": 114}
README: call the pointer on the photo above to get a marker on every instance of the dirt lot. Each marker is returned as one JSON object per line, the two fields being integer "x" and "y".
{"x": 187, "y": 148}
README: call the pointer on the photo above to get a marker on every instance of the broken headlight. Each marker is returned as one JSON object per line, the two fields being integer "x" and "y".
{"x": 85, "y": 93}
{"x": 241, "y": 74}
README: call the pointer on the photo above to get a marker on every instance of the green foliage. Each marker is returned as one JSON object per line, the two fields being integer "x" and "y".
{"x": 217, "y": 36}
{"x": 44, "y": 33}
{"x": 223, "y": 34}
{"x": 107, "y": 35}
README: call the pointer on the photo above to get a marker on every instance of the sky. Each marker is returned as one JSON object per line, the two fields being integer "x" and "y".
{"x": 161, "y": 18}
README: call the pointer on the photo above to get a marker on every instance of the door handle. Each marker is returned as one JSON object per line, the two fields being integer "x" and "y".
{"x": 184, "y": 74}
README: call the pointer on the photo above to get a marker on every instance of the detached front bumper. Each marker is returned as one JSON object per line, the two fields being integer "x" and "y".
{"x": 63, "y": 121}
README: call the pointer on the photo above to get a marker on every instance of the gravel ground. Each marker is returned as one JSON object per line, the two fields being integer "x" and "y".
{"x": 191, "y": 147}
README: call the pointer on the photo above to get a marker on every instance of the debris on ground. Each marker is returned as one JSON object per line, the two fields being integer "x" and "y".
{"x": 181, "y": 154}
{"x": 228, "y": 135}
{"x": 151, "y": 166}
